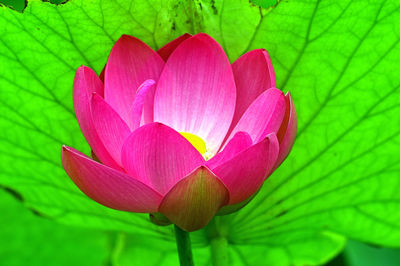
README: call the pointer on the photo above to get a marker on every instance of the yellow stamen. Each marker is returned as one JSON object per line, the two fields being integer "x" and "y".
{"x": 196, "y": 141}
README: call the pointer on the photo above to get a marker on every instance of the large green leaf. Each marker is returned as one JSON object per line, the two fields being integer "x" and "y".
{"x": 339, "y": 60}
{"x": 340, "y": 63}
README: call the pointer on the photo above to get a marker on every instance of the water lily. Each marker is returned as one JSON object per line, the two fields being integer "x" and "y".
{"x": 180, "y": 131}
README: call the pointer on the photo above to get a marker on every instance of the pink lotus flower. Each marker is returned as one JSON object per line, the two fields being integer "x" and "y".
{"x": 180, "y": 131}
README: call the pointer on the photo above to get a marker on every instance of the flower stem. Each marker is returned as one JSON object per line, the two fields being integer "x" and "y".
{"x": 219, "y": 242}
{"x": 219, "y": 251}
{"x": 118, "y": 245}
{"x": 184, "y": 247}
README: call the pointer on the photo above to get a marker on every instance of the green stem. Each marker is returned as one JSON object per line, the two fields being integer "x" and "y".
{"x": 118, "y": 248}
{"x": 184, "y": 247}
{"x": 219, "y": 243}
{"x": 219, "y": 251}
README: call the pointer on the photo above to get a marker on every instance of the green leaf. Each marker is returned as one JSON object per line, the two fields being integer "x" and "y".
{"x": 18, "y": 5}
{"x": 342, "y": 175}
{"x": 339, "y": 61}
{"x": 155, "y": 252}
{"x": 304, "y": 247}
{"x": 359, "y": 254}
{"x": 29, "y": 240}
{"x": 264, "y": 3}
{"x": 40, "y": 51}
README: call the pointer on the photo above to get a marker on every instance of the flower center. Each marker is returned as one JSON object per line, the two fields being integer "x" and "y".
{"x": 198, "y": 143}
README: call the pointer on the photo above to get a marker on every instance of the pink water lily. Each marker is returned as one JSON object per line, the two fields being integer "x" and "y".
{"x": 180, "y": 131}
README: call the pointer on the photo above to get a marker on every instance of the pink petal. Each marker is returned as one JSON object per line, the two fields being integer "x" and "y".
{"x": 159, "y": 156}
{"x": 194, "y": 200}
{"x": 110, "y": 127}
{"x": 167, "y": 49}
{"x": 196, "y": 91}
{"x": 107, "y": 186}
{"x": 263, "y": 116}
{"x": 287, "y": 132}
{"x": 244, "y": 174}
{"x": 86, "y": 82}
{"x": 143, "y": 92}
{"x": 101, "y": 76}
{"x": 254, "y": 74}
{"x": 131, "y": 62}
{"x": 237, "y": 144}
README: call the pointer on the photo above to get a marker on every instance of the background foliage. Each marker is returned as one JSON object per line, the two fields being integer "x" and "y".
{"x": 338, "y": 59}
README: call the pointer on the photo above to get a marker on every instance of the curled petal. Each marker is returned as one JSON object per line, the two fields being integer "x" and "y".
{"x": 101, "y": 76}
{"x": 194, "y": 200}
{"x": 107, "y": 186}
{"x": 143, "y": 94}
{"x": 237, "y": 144}
{"x": 254, "y": 74}
{"x": 167, "y": 49}
{"x": 244, "y": 174}
{"x": 131, "y": 62}
{"x": 264, "y": 115}
{"x": 85, "y": 84}
{"x": 110, "y": 127}
{"x": 287, "y": 132}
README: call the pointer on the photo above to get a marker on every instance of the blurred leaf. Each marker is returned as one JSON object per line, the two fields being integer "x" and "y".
{"x": 339, "y": 60}
{"x": 359, "y": 254}
{"x": 18, "y": 5}
{"x": 29, "y": 240}
{"x": 301, "y": 248}
{"x": 156, "y": 252}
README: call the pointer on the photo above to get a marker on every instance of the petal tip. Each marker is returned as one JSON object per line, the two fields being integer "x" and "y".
{"x": 124, "y": 42}
{"x": 257, "y": 51}
{"x": 278, "y": 92}
{"x": 158, "y": 124}
{"x": 95, "y": 98}
{"x": 145, "y": 84}
{"x": 149, "y": 82}
{"x": 82, "y": 71}
{"x": 81, "y": 68}
{"x": 205, "y": 37}
{"x": 271, "y": 135}
{"x": 125, "y": 37}
{"x": 272, "y": 138}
